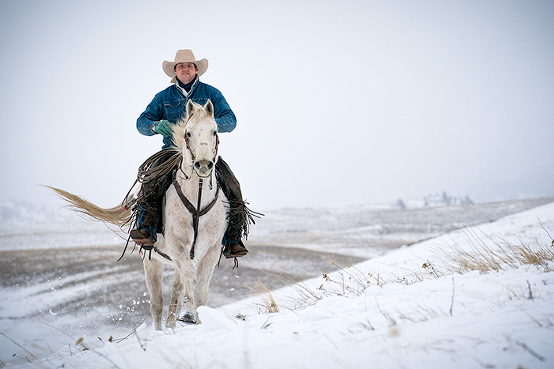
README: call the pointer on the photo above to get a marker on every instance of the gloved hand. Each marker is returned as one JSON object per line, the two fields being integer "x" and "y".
{"x": 164, "y": 128}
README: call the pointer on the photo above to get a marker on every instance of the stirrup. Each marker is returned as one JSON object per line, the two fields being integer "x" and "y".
{"x": 237, "y": 251}
{"x": 141, "y": 237}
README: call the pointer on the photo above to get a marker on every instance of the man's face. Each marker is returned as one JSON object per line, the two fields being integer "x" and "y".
{"x": 185, "y": 72}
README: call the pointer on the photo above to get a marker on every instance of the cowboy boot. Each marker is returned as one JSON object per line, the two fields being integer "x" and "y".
{"x": 237, "y": 216}
{"x": 234, "y": 250}
{"x": 149, "y": 213}
{"x": 145, "y": 231}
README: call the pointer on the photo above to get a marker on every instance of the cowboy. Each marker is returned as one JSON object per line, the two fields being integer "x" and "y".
{"x": 166, "y": 109}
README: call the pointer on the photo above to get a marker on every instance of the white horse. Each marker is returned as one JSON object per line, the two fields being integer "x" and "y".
{"x": 193, "y": 233}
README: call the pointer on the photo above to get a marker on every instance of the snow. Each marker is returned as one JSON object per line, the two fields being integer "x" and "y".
{"x": 408, "y": 308}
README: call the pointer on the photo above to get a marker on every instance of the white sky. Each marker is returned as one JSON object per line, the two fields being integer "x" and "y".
{"x": 338, "y": 102}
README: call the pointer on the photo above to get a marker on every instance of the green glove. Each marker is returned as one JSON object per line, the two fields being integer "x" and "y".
{"x": 164, "y": 128}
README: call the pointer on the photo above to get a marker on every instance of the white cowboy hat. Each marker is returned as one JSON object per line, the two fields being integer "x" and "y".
{"x": 184, "y": 56}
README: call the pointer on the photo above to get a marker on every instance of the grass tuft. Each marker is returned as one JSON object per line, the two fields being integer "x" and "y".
{"x": 267, "y": 302}
{"x": 496, "y": 254}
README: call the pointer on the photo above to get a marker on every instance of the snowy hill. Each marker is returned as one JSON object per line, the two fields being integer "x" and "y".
{"x": 471, "y": 298}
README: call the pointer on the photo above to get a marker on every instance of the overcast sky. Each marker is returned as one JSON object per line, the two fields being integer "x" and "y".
{"x": 338, "y": 102}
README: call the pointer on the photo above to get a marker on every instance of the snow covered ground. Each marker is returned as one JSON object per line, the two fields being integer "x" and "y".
{"x": 416, "y": 306}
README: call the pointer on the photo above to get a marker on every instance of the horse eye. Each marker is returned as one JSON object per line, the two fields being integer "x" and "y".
{"x": 188, "y": 134}
{"x": 215, "y": 133}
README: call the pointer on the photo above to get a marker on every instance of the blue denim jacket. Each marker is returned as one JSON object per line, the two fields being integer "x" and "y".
{"x": 170, "y": 104}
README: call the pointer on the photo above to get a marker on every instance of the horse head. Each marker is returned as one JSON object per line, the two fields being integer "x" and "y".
{"x": 196, "y": 137}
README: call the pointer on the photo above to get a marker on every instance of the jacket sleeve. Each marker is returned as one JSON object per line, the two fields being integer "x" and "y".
{"x": 150, "y": 117}
{"x": 224, "y": 116}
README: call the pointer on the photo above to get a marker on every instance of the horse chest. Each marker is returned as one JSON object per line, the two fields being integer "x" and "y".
{"x": 179, "y": 221}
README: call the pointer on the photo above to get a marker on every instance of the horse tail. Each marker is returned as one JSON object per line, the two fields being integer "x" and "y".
{"x": 118, "y": 215}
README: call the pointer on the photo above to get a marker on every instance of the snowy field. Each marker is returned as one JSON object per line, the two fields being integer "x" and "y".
{"x": 410, "y": 304}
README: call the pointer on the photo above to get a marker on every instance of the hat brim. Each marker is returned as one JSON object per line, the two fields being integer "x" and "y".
{"x": 169, "y": 67}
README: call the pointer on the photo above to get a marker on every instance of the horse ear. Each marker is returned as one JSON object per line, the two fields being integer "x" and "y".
{"x": 209, "y": 108}
{"x": 190, "y": 108}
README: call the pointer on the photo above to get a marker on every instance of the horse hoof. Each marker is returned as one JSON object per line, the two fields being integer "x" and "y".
{"x": 187, "y": 318}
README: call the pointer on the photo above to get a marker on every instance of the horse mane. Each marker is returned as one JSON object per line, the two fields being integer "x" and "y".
{"x": 200, "y": 112}
{"x": 179, "y": 135}
{"x": 172, "y": 157}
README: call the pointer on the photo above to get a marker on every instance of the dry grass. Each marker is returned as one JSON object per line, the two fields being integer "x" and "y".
{"x": 347, "y": 281}
{"x": 495, "y": 253}
{"x": 267, "y": 302}
{"x": 304, "y": 295}
{"x": 30, "y": 358}
{"x": 485, "y": 254}
{"x": 344, "y": 282}
{"x": 70, "y": 349}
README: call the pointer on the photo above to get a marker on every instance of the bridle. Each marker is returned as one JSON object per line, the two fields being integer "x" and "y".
{"x": 191, "y": 151}
{"x": 214, "y": 150}
{"x": 196, "y": 212}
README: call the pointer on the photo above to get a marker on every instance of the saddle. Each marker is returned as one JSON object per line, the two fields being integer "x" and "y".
{"x": 156, "y": 175}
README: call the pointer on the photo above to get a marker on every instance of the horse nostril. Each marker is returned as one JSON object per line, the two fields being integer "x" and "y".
{"x": 210, "y": 165}
{"x": 197, "y": 165}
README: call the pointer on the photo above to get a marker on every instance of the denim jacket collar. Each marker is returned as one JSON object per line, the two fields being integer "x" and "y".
{"x": 183, "y": 91}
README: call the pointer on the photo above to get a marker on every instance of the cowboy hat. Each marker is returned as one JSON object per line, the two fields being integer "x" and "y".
{"x": 184, "y": 56}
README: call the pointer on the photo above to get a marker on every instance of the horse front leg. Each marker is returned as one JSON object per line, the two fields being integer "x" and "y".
{"x": 153, "y": 275}
{"x": 176, "y": 292}
{"x": 188, "y": 311}
{"x": 204, "y": 276}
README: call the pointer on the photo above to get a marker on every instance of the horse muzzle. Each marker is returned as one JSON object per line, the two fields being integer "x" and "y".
{"x": 203, "y": 168}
